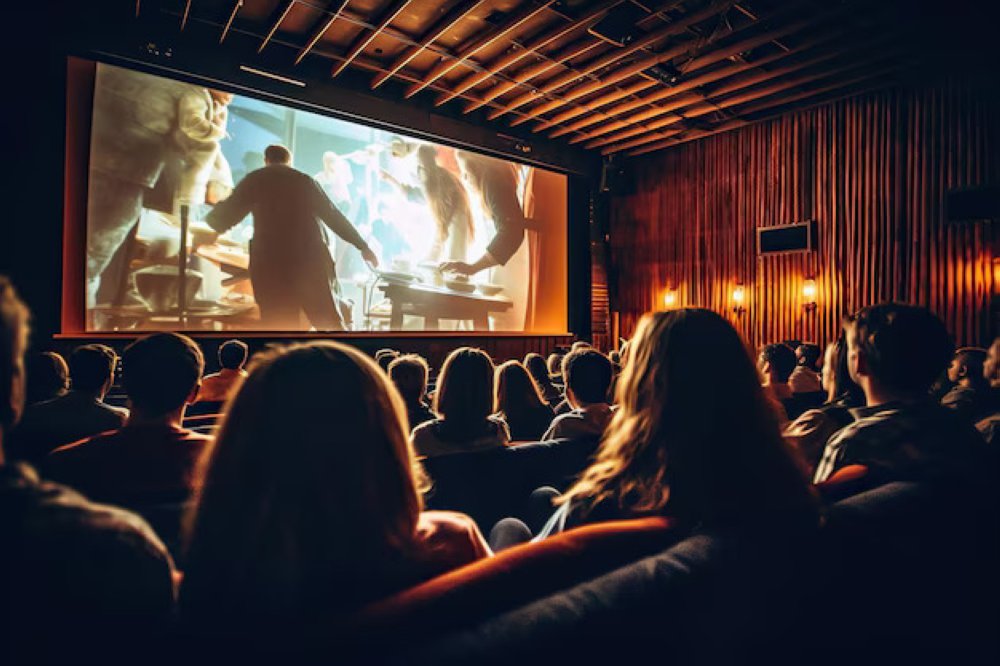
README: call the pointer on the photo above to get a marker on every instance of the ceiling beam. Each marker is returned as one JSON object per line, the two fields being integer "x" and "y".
{"x": 368, "y": 36}
{"x": 232, "y": 17}
{"x": 616, "y": 112}
{"x": 844, "y": 90}
{"x": 755, "y": 96}
{"x": 636, "y": 121}
{"x": 532, "y": 47}
{"x": 435, "y": 32}
{"x": 281, "y": 13}
{"x": 322, "y": 26}
{"x": 649, "y": 39}
{"x": 516, "y": 20}
{"x": 184, "y": 16}
{"x": 711, "y": 58}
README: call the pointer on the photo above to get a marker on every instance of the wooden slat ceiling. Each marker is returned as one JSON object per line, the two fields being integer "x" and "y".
{"x": 693, "y": 67}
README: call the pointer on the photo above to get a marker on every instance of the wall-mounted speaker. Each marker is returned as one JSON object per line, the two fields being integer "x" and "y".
{"x": 787, "y": 238}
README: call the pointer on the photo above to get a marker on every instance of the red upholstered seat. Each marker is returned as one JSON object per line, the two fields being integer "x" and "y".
{"x": 520, "y": 574}
{"x": 845, "y": 482}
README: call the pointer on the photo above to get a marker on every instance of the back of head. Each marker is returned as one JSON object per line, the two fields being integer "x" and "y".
{"x": 384, "y": 357}
{"x": 580, "y": 344}
{"x": 160, "y": 372}
{"x": 92, "y": 367}
{"x": 968, "y": 363}
{"x": 516, "y": 392}
{"x": 536, "y": 366}
{"x": 13, "y": 343}
{"x": 409, "y": 374}
{"x": 587, "y": 373}
{"x": 310, "y": 491}
{"x": 905, "y": 347}
{"x": 781, "y": 360}
{"x": 837, "y": 375}
{"x": 233, "y": 354}
{"x": 808, "y": 354}
{"x": 47, "y": 376}
{"x": 464, "y": 390}
{"x": 277, "y": 154}
{"x": 684, "y": 443}
{"x": 554, "y": 363}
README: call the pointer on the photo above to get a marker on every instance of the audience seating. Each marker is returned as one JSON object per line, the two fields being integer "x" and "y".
{"x": 495, "y": 484}
{"x": 517, "y": 575}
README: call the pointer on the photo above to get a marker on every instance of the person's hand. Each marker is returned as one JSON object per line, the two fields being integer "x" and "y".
{"x": 457, "y": 267}
{"x": 370, "y": 257}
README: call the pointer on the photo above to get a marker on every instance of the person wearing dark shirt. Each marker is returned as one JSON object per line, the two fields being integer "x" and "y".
{"x": 587, "y": 374}
{"x": 684, "y": 445}
{"x": 895, "y": 353}
{"x": 152, "y": 459}
{"x": 79, "y": 413}
{"x": 291, "y": 269}
{"x": 519, "y": 403}
{"x": 48, "y": 377}
{"x": 409, "y": 374}
{"x": 69, "y": 569}
{"x": 970, "y": 395}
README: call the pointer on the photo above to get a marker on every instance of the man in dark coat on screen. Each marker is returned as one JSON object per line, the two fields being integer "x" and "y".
{"x": 290, "y": 266}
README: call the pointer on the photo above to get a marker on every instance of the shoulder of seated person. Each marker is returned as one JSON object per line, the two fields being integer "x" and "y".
{"x": 448, "y": 521}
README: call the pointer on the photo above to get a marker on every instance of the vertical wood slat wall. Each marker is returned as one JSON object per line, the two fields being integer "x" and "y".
{"x": 871, "y": 170}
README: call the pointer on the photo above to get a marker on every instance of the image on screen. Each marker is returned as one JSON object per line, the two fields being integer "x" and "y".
{"x": 298, "y": 221}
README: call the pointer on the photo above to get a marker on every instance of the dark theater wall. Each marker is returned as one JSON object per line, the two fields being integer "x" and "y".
{"x": 871, "y": 170}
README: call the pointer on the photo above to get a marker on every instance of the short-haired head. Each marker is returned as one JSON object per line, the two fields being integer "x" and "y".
{"x": 47, "y": 376}
{"x": 967, "y": 364}
{"x": 233, "y": 354}
{"x": 554, "y": 363}
{"x": 409, "y": 373}
{"x": 277, "y": 154}
{"x": 904, "y": 348}
{"x": 92, "y": 368}
{"x": 778, "y": 360}
{"x": 13, "y": 344}
{"x": 587, "y": 373}
{"x": 808, "y": 354}
{"x": 161, "y": 373}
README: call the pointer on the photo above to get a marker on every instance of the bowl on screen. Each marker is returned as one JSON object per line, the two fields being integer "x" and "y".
{"x": 490, "y": 289}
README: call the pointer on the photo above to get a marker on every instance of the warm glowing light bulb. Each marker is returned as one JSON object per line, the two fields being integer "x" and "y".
{"x": 809, "y": 290}
{"x": 670, "y": 298}
{"x": 738, "y": 295}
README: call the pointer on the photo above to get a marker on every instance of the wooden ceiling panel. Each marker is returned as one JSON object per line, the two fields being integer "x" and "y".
{"x": 690, "y": 67}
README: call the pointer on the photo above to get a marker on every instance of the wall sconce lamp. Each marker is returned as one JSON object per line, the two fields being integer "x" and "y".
{"x": 670, "y": 298}
{"x": 809, "y": 295}
{"x": 739, "y": 298}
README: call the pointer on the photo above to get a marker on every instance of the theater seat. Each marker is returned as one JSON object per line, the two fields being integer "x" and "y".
{"x": 518, "y": 575}
{"x": 846, "y": 481}
{"x": 495, "y": 484}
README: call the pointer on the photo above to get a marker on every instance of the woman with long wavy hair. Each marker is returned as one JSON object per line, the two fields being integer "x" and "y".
{"x": 520, "y": 404}
{"x": 685, "y": 445}
{"x": 311, "y": 496}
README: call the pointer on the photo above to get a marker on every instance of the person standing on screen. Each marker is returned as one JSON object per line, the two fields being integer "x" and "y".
{"x": 291, "y": 270}
{"x": 442, "y": 192}
{"x": 494, "y": 184}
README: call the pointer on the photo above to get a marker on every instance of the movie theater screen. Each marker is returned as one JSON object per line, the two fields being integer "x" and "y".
{"x": 298, "y": 221}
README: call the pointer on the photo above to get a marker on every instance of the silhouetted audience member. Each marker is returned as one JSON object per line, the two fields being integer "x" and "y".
{"x": 580, "y": 344}
{"x": 776, "y": 363}
{"x": 971, "y": 395}
{"x": 384, "y": 357}
{"x": 810, "y": 432}
{"x": 220, "y": 386}
{"x": 79, "y": 413}
{"x": 685, "y": 445}
{"x": 150, "y": 460}
{"x": 68, "y": 567}
{"x": 48, "y": 377}
{"x": 554, "y": 365}
{"x": 519, "y": 403}
{"x": 895, "y": 352}
{"x": 989, "y": 427}
{"x": 587, "y": 374}
{"x": 409, "y": 374}
{"x": 464, "y": 404}
{"x": 539, "y": 371}
{"x": 991, "y": 366}
{"x": 311, "y": 498}
{"x": 804, "y": 378}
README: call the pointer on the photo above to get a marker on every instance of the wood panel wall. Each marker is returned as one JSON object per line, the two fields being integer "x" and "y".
{"x": 871, "y": 170}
